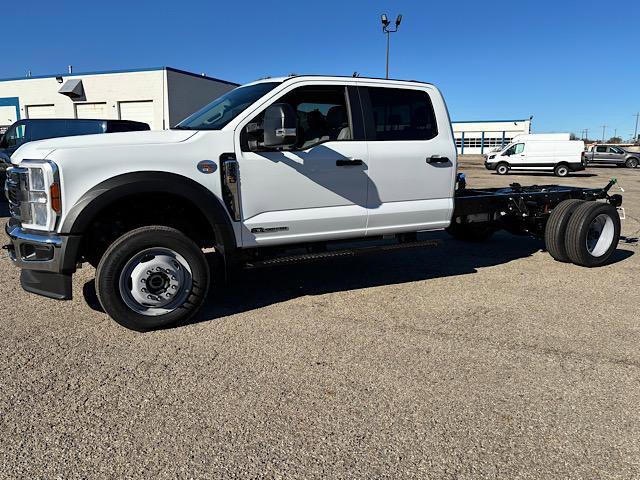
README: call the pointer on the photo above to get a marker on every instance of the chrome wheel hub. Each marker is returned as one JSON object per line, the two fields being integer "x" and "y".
{"x": 155, "y": 281}
{"x": 600, "y": 235}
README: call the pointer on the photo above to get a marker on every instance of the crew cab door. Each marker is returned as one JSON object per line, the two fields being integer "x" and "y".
{"x": 616, "y": 154}
{"x": 316, "y": 190}
{"x": 412, "y": 157}
{"x": 601, "y": 154}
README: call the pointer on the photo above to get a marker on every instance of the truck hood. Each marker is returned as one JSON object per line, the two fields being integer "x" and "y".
{"x": 43, "y": 148}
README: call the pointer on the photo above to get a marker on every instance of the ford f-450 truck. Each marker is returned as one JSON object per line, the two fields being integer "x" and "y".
{"x": 273, "y": 172}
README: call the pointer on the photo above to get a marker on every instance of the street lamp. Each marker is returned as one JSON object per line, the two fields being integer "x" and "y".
{"x": 388, "y": 31}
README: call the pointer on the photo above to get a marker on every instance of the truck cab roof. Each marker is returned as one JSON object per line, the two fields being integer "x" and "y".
{"x": 391, "y": 81}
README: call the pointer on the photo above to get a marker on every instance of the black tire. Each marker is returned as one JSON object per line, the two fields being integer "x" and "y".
{"x": 470, "y": 232}
{"x": 561, "y": 170}
{"x": 502, "y": 168}
{"x": 631, "y": 162}
{"x": 579, "y": 233}
{"x": 556, "y": 228}
{"x": 120, "y": 254}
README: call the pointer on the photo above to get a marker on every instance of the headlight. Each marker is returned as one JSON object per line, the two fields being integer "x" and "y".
{"x": 37, "y": 179}
{"x": 41, "y": 202}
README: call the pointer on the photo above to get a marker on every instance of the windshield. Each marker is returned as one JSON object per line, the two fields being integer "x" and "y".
{"x": 225, "y": 108}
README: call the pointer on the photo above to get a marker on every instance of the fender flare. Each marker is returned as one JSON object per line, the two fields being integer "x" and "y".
{"x": 105, "y": 193}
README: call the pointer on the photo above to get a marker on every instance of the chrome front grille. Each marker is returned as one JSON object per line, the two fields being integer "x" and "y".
{"x": 15, "y": 189}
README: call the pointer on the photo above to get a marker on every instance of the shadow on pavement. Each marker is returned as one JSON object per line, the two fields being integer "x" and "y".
{"x": 547, "y": 174}
{"x": 4, "y": 206}
{"x": 253, "y": 289}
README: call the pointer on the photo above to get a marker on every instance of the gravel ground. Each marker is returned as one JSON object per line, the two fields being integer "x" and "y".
{"x": 462, "y": 361}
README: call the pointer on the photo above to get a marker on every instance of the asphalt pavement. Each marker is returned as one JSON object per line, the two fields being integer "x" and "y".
{"x": 463, "y": 361}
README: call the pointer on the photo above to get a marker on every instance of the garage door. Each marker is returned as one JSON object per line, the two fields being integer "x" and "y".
{"x": 91, "y": 110}
{"x": 41, "y": 111}
{"x": 7, "y": 115}
{"x": 139, "y": 111}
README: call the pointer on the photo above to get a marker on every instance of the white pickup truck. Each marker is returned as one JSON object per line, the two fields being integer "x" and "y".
{"x": 302, "y": 161}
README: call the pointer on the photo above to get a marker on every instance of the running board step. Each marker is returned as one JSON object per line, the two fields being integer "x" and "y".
{"x": 350, "y": 252}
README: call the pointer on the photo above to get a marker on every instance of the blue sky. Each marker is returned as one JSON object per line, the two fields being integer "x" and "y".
{"x": 570, "y": 64}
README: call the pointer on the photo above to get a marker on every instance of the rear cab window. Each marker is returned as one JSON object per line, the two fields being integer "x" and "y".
{"x": 398, "y": 114}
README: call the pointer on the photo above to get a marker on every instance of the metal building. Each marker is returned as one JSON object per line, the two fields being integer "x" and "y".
{"x": 482, "y": 136}
{"x": 161, "y": 96}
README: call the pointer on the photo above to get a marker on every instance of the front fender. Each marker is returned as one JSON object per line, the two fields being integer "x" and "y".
{"x": 94, "y": 201}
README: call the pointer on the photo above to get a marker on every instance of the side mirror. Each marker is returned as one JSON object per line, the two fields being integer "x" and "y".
{"x": 280, "y": 126}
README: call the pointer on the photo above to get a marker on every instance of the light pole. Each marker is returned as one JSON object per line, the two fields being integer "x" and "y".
{"x": 388, "y": 31}
{"x": 604, "y": 128}
{"x": 635, "y": 135}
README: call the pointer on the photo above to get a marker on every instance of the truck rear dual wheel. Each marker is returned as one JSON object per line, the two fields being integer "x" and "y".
{"x": 556, "y": 229}
{"x": 584, "y": 233}
{"x": 592, "y": 234}
{"x": 152, "y": 277}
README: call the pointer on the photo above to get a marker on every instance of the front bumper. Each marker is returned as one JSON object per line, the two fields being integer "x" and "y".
{"x": 490, "y": 165}
{"x": 47, "y": 260}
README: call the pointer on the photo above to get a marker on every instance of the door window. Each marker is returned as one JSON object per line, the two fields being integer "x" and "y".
{"x": 15, "y": 136}
{"x": 616, "y": 150}
{"x": 401, "y": 114}
{"x": 601, "y": 149}
{"x": 514, "y": 149}
{"x": 323, "y": 114}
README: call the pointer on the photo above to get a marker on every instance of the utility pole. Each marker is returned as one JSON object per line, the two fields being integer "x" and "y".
{"x": 388, "y": 31}
{"x": 586, "y": 134}
{"x": 604, "y": 128}
{"x": 635, "y": 135}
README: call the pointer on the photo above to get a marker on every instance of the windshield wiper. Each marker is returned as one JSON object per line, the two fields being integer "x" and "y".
{"x": 182, "y": 127}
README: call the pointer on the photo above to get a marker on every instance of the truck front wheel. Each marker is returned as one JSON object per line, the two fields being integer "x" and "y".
{"x": 592, "y": 234}
{"x": 151, "y": 277}
{"x": 631, "y": 163}
{"x": 502, "y": 168}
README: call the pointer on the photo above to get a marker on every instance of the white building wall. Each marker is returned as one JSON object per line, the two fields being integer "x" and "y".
{"x": 493, "y": 133}
{"x": 160, "y": 97}
{"x": 104, "y": 91}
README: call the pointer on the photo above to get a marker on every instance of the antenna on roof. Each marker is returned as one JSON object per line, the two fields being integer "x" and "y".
{"x": 355, "y": 74}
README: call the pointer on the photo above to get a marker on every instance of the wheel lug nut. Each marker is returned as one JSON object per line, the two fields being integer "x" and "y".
{"x": 144, "y": 290}
{"x": 173, "y": 286}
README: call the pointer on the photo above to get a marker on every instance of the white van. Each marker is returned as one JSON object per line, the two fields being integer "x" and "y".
{"x": 537, "y": 154}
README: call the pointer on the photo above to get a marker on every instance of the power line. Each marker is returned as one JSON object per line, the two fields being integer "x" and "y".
{"x": 604, "y": 128}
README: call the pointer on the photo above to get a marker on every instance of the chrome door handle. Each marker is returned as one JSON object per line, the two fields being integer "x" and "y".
{"x": 437, "y": 159}
{"x": 348, "y": 163}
